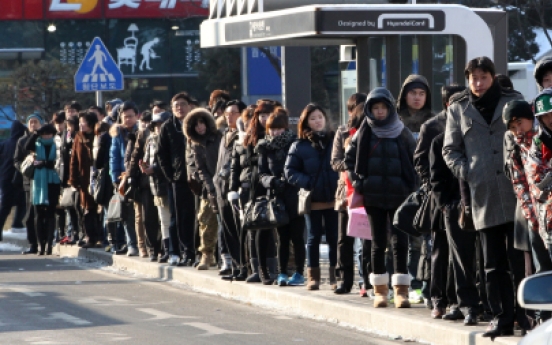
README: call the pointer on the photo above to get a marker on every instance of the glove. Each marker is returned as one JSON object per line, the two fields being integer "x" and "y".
{"x": 213, "y": 203}
{"x": 278, "y": 184}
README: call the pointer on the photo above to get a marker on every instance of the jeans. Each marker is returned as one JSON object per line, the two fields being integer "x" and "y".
{"x": 379, "y": 221}
{"x": 128, "y": 224}
{"x": 293, "y": 232}
{"x": 315, "y": 235}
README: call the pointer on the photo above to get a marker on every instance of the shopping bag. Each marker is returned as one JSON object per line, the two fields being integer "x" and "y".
{"x": 359, "y": 225}
{"x": 115, "y": 209}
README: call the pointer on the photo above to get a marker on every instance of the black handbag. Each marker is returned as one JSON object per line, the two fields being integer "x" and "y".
{"x": 103, "y": 190}
{"x": 115, "y": 210}
{"x": 405, "y": 214}
{"x": 422, "y": 219}
{"x": 265, "y": 212}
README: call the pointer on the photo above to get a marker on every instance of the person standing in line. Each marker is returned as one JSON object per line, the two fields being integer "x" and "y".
{"x": 414, "y": 109}
{"x": 543, "y": 72}
{"x": 12, "y": 193}
{"x": 381, "y": 168}
{"x": 34, "y": 122}
{"x": 308, "y": 166}
{"x": 120, "y": 134}
{"x": 204, "y": 138}
{"x": 229, "y": 239}
{"x": 272, "y": 152}
{"x": 345, "y": 244}
{"x": 79, "y": 178}
{"x": 171, "y": 155}
{"x": 473, "y": 150}
{"x": 437, "y": 252}
{"x": 45, "y": 187}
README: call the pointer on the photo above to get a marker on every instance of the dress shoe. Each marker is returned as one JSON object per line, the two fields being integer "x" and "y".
{"x": 242, "y": 275}
{"x": 31, "y": 250}
{"x": 453, "y": 315}
{"x": 231, "y": 277}
{"x": 225, "y": 272}
{"x": 342, "y": 289}
{"x": 494, "y": 330}
{"x": 471, "y": 319}
{"x": 438, "y": 312}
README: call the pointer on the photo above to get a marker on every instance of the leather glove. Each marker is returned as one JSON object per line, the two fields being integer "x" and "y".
{"x": 278, "y": 184}
{"x": 213, "y": 203}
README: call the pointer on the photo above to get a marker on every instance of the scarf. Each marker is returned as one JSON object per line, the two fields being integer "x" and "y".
{"x": 487, "y": 103}
{"x": 319, "y": 140}
{"x": 279, "y": 142}
{"x": 390, "y": 127}
{"x": 44, "y": 176}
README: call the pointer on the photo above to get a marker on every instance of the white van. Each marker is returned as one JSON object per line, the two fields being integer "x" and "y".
{"x": 521, "y": 74}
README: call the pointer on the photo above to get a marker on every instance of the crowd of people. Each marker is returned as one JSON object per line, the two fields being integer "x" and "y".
{"x": 176, "y": 184}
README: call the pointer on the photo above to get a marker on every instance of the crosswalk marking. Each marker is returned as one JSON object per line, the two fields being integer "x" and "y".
{"x": 93, "y": 78}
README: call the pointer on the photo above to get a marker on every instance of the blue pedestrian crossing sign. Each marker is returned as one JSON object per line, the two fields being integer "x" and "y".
{"x": 98, "y": 71}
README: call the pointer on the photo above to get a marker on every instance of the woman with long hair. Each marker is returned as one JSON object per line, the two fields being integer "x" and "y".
{"x": 308, "y": 167}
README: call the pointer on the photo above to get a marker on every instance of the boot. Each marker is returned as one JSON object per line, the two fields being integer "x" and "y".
{"x": 400, "y": 283}
{"x": 231, "y": 277}
{"x": 226, "y": 265}
{"x": 313, "y": 278}
{"x": 265, "y": 276}
{"x": 333, "y": 279}
{"x": 42, "y": 248}
{"x": 165, "y": 254}
{"x": 380, "y": 284}
{"x": 242, "y": 276}
{"x": 254, "y": 277}
{"x": 33, "y": 249}
{"x": 347, "y": 283}
{"x": 205, "y": 261}
{"x": 272, "y": 266}
{"x": 49, "y": 248}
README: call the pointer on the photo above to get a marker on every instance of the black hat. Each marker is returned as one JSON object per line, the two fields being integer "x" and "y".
{"x": 47, "y": 129}
{"x": 517, "y": 110}
{"x": 544, "y": 65}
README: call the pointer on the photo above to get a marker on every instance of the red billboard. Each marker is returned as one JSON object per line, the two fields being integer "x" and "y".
{"x": 100, "y": 9}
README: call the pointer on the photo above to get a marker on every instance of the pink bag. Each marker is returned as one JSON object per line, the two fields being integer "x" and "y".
{"x": 355, "y": 200}
{"x": 359, "y": 225}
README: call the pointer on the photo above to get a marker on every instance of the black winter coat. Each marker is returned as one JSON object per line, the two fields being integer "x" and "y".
{"x": 172, "y": 150}
{"x": 65, "y": 157}
{"x": 304, "y": 162}
{"x": 9, "y": 176}
{"x": 20, "y": 154}
{"x": 271, "y": 166}
{"x": 244, "y": 159}
{"x": 102, "y": 144}
{"x": 428, "y": 131}
{"x": 383, "y": 183}
{"x": 221, "y": 179}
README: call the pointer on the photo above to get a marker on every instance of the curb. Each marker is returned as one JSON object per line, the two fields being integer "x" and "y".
{"x": 413, "y": 324}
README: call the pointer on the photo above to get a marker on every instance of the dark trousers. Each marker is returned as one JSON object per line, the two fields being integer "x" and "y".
{"x": 462, "y": 246}
{"x": 61, "y": 222}
{"x": 541, "y": 257}
{"x": 440, "y": 260}
{"x": 230, "y": 234}
{"x": 320, "y": 220}
{"x": 45, "y": 218}
{"x": 293, "y": 232}
{"x": 30, "y": 220}
{"x": 379, "y": 220}
{"x": 497, "y": 244}
{"x": 10, "y": 197}
{"x": 345, "y": 244}
{"x": 414, "y": 254}
{"x": 366, "y": 261}
{"x": 151, "y": 221}
{"x": 88, "y": 222}
{"x": 181, "y": 229}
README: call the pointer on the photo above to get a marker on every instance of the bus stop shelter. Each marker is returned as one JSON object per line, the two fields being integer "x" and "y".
{"x": 479, "y": 32}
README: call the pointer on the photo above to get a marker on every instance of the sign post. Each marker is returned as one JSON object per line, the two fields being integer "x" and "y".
{"x": 98, "y": 72}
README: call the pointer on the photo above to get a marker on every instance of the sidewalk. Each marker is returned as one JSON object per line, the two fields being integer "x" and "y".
{"x": 350, "y": 310}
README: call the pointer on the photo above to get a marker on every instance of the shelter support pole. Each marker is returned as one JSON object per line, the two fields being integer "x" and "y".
{"x": 296, "y": 80}
{"x": 363, "y": 64}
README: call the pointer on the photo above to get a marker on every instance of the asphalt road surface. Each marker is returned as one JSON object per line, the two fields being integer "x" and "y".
{"x": 50, "y": 301}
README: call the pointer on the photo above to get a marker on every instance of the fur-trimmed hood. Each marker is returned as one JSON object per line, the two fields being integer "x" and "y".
{"x": 114, "y": 130}
{"x": 190, "y": 122}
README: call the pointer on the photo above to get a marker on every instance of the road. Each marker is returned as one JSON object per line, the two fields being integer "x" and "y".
{"x": 50, "y": 301}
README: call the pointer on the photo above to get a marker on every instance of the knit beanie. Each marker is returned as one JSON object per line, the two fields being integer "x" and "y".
{"x": 37, "y": 116}
{"x": 517, "y": 110}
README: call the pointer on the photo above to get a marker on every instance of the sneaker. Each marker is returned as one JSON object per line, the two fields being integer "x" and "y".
{"x": 174, "y": 260}
{"x": 296, "y": 279}
{"x": 64, "y": 240}
{"x": 282, "y": 279}
{"x": 363, "y": 292}
{"x": 415, "y": 296}
{"x": 132, "y": 251}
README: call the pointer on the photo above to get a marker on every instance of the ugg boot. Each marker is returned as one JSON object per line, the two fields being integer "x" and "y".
{"x": 333, "y": 279}
{"x": 400, "y": 283}
{"x": 380, "y": 284}
{"x": 165, "y": 254}
{"x": 313, "y": 280}
{"x": 205, "y": 261}
{"x": 254, "y": 277}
